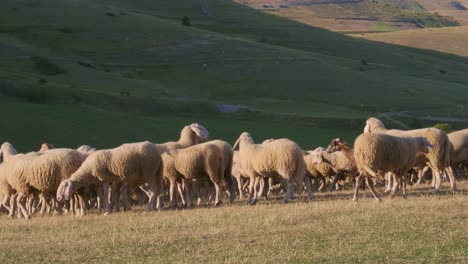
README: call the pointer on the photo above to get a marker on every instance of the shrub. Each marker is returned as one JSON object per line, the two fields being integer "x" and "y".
{"x": 186, "y": 21}
{"x": 447, "y": 128}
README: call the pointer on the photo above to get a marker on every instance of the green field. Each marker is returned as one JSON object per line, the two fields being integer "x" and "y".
{"x": 107, "y": 72}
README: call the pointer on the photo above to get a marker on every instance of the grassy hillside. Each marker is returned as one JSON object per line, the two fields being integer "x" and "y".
{"x": 367, "y": 15}
{"x": 330, "y": 229}
{"x": 450, "y": 40}
{"x": 107, "y": 72}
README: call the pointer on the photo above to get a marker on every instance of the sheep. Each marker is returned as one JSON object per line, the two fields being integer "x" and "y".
{"x": 189, "y": 136}
{"x": 341, "y": 160}
{"x": 438, "y": 156}
{"x": 42, "y": 173}
{"x": 459, "y": 140}
{"x": 281, "y": 157}
{"x": 386, "y": 153}
{"x": 133, "y": 163}
{"x": 228, "y": 156}
{"x": 196, "y": 162}
{"x": 320, "y": 171}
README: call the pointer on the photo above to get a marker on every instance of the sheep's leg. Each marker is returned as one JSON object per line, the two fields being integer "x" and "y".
{"x": 290, "y": 190}
{"x": 105, "y": 188}
{"x": 171, "y": 194}
{"x": 5, "y": 201}
{"x": 261, "y": 187}
{"x": 396, "y": 186}
{"x": 389, "y": 182}
{"x": 181, "y": 193}
{"x": 323, "y": 182}
{"x": 307, "y": 182}
{"x": 19, "y": 200}
{"x": 43, "y": 199}
{"x": 186, "y": 188}
{"x": 403, "y": 183}
{"x": 333, "y": 183}
{"x": 370, "y": 184}
{"x": 239, "y": 185}
{"x": 12, "y": 205}
{"x": 451, "y": 176}
{"x": 359, "y": 180}
{"x": 252, "y": 200}
{"x": 438, "y": 180}
{"x": 124, "y": 196}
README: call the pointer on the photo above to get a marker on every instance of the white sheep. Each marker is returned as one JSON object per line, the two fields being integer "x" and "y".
{"x": 281, "y": 157}
{"x": 438, "y": 156}
{"x": 199, "y": 162}
{"x": 386, "y": 153}
{"x": 134, "y": 163}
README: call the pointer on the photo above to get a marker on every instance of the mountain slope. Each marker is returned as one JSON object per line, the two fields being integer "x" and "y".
{"x": 136, "y": 57}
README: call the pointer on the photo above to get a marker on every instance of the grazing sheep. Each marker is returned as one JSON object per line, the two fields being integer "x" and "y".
{"x": 281, "y": 157}
{"x": 438, "y": 156}
{"x": 134, "y": 163}
{"x": 199, "y": 162}
{"x": 189, "y": 136}
{"x": 386, "y": 153}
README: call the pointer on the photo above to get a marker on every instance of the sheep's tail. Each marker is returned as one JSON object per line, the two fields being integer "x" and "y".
{"x": 439, "y": 155}
{"x": 369, "y": 170}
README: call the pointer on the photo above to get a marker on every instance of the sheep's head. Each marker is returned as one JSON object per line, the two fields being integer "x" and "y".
{"x": 46, "y": 146}
{"x": 6, "y": 148}
{"x": 316, "y": 155}
{"x": 424, "y": 145}
{"x": 244, "y": 137}
{"x": 372, "y": 124}
{"x": 65, "y": 190}
{"x": 337, "y": 144}
{"x": 85, "y": 149}
{"x": 199, "y": 130}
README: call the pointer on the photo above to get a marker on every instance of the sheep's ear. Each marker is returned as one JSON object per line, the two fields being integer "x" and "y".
{"x": 200, "y": 130}
{"x": 236, "y": 144}
{"x": 367, "y": 128}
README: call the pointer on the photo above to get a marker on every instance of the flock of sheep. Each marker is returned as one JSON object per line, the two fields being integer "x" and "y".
{"x": 60, "y": 179}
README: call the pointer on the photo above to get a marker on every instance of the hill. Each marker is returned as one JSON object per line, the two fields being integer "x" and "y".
{"x": 105, "y": 72}
{"x": 450, "y": 40}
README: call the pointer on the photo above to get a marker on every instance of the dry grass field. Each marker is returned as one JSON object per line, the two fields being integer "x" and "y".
{"x": 424, "y": 228}
{"x": 452, "y": 40}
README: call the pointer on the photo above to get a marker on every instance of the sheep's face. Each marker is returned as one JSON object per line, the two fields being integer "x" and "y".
{"x": 65, "y": 190}
{"x": 317, "y": 156}
{"x": 244, "y": 137}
